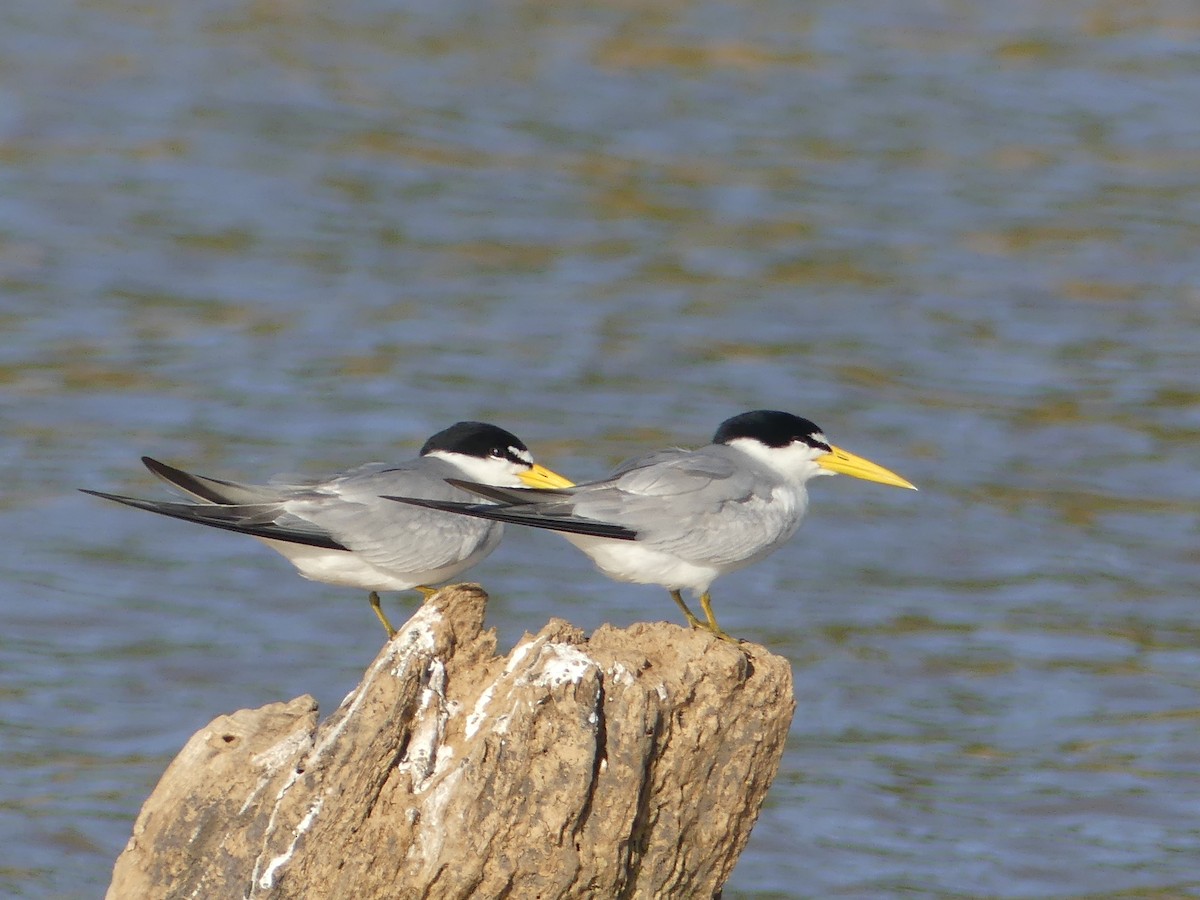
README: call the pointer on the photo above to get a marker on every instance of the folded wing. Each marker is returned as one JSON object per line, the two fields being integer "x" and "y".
{"x": 257, "y": 519}
{"x": 210, "y": 490}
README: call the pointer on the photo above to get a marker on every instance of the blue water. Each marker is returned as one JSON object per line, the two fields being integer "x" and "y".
{"x": 293, "y": 237}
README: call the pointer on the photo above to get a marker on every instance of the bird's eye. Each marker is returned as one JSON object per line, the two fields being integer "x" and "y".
{"x": 497, "y": 454}
{"x": 812, "y": 442}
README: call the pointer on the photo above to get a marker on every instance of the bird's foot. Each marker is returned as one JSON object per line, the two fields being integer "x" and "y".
{"x": 688, "y": 614}
{"x": 387, "y": 626}
{"x": 722, "y": 635}
{"x": 716, "y": 630}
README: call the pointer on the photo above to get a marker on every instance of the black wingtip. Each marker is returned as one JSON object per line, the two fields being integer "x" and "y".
{"x": 104, "y": 496}
{"x": 194, "y": 485}
{"x": 516, "y": 515}
{"x": 135, "y": 502}
{"x": 225, "y": 518}
{"x": 160, "y": 469}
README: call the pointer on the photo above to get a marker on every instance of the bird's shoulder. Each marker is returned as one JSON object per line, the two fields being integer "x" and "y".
{"x": 669, "y": 473}
{"x": 424, "y": 477}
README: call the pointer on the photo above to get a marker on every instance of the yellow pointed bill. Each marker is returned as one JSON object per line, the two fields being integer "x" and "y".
{"x": 541, "y": 477}
{"x": 838, "y": 460}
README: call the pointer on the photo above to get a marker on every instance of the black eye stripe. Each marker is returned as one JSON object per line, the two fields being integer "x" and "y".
{"x": 509, "y": 453}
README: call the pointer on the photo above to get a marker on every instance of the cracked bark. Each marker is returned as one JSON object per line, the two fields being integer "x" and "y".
{"x": 631, "y": 765}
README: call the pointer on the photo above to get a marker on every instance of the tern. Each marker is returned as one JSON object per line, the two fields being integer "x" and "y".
{"x": 681, "y": 518}
{"x": 338, "y": 530}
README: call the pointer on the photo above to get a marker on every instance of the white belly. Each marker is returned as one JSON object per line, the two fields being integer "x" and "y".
{"x": 344, "y": 568}
{"x": 634, "y": 562}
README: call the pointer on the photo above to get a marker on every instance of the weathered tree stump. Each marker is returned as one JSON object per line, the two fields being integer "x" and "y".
{"x": 633, "y": 764}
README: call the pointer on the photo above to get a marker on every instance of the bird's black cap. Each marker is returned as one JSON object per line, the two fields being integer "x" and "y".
{"x": 476, "y": 439}
{"x": 772, "y": 428}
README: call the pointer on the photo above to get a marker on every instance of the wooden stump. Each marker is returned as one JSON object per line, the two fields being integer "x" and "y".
{"x": 631, "y": 764}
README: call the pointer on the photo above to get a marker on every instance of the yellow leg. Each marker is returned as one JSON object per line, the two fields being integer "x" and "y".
{"x": 374, "y": 598}
{"x": 691, "y": 618}
{"x": 706, "y": 603}
{"x": 426, "y": 592}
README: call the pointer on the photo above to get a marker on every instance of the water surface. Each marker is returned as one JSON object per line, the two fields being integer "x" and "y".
{"x": 289, "y": 236}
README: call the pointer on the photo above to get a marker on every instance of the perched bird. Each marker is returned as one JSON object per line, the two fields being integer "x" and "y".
{"x": 340, "y": 531}
{"x": 680, "y": 518}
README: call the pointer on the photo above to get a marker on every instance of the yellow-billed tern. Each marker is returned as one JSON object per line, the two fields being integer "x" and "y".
{"x": 340, "y": 531}
{"x": 680, "y": 518}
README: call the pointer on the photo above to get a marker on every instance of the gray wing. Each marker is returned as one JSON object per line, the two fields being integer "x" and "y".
{"x": 350, "y": 509}
{"x": 671, "y": 488}
{"x": 714, "y": 505}
{"x": 341, "y": 513}
{"x": 667, "y": 474}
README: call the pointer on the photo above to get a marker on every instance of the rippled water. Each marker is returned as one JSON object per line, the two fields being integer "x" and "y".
{"x": 295, "y": 236}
